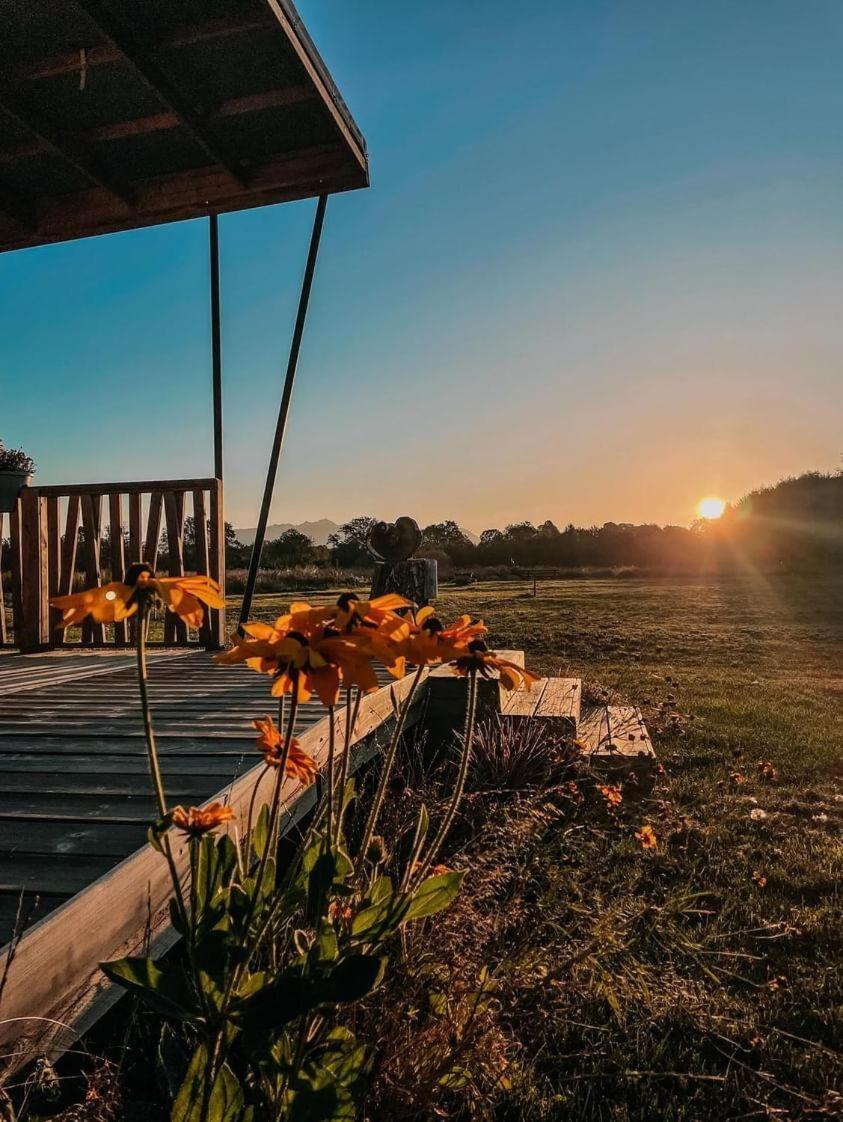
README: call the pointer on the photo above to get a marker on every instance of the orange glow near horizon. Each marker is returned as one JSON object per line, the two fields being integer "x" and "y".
{"x": 711, "y": 507}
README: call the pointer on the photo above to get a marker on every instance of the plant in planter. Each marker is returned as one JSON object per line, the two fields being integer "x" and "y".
{"x": 16, "y": 469}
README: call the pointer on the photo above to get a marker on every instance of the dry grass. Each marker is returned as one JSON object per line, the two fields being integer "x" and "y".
{"x": 697, "y": 980}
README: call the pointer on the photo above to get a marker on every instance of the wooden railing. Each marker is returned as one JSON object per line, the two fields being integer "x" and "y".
{"x": 65, "y": 537}
{"x": 9, "y": 592}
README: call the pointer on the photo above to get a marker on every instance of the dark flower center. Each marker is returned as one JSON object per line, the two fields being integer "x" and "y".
{"x": 134, "y": 572}
{"x": 346, "y": 600}
{"x": 433, "y": 625}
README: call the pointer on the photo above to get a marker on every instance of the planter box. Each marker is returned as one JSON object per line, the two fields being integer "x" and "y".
{"x": 11, "y": 484}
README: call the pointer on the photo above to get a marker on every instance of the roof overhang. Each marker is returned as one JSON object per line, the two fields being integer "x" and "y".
{"x": 116, "y": 114}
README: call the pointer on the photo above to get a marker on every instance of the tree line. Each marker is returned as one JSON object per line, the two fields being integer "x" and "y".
{"x": 795, "y": 525}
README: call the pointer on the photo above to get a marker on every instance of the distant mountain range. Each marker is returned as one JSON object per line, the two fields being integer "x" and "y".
{"x": 318, "y": 532}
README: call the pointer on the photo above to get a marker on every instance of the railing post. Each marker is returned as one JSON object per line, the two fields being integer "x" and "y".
{"x": 216, "y": 634}
{"x": 32, "y": 627}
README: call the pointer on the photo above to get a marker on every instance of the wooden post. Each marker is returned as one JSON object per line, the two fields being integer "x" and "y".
{"x": 175, "y": 629}
{"x": 92, "y": 633}
{"x": 15, "y": 534}
{"x": 216, "y": 565}
{"x": 415, "y": 578}
{"x": 34, "y": 632}
{"x": 200, "y": 538}
{"x": 118, "y": 558}
{"x": 53, "y": 565}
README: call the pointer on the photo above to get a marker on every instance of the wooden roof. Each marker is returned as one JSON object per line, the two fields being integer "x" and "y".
{"x": 116, "y": 114}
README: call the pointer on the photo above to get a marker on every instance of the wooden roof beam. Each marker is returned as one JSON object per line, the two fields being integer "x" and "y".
{"x": 136, "y": 54}
{"x": 99, "y": 55}
{"x": 160, "y": 122}
{"x": 18, "y": 208}
{"x": 71, "y": 149}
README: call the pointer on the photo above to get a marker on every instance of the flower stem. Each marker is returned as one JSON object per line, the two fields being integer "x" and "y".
{"x": 276, "y": 802}
{"x": 447, "y": 821}
{"x": 350, "y": 722}
{"x": 152, "y": 756}
{"x": 143, "y": 679}
{"x": 330, "y": 794}
{"x": 386, "y": 771}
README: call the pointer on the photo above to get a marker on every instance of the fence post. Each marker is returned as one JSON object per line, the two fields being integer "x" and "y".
{"x": 32, "y": 627}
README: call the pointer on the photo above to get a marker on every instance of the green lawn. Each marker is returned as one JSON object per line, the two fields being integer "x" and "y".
{"x": 701, "y": 979}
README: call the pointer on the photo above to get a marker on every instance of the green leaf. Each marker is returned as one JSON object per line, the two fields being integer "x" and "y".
{"x": 377, "y": 921}
{"x": 176, "y": 916}
{"x": 224, "y": 1103}
{"x": 381, "y": 889}
{"x": 157, "y": 831}
{"x": 260, "y": 832}
{"x": 422, "y": 826}
{"x": 355, "y": 976}
{"x": 331, "y": 1085}
{"x": 292, "y": 995}
{"x": 325, "y": 948}
{"x": 434, "y": 894}
{"x": 168, "y": 994}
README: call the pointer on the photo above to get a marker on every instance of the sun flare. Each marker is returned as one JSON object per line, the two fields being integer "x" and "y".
{"x": 711, "y": 507}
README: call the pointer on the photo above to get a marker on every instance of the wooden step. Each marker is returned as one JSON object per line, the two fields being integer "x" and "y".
{"x": 615, "y": 740}
{"x": 555, "y": 700}
{"x": 448, "y": 692}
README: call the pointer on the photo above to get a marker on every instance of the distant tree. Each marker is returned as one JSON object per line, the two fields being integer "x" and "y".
{"x": 489, "y": 537}
{"x": 520, "y": 531}
{"x": 289, "y": 549}
{"x": 548, "y": 530}
{"x": 440, "y": 535}
{"x": 348, "y": 545}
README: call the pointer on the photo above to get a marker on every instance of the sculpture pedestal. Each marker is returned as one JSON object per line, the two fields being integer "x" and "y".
{"x": 416, "y": 579}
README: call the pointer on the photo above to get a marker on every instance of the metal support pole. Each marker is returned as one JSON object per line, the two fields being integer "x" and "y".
{"x": 283, "y": 411}
{"x": 216, "y": 347}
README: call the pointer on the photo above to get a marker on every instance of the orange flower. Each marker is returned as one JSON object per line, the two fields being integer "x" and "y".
{"x": 646, "y": 837}
{"x": 425, "y": 639}
{"x": 348, "y": 614}
{"x": 352, "y": 612}
{"x": 299, "y": 765}
{"x": 306, "y": 663}
{"x": 612, "y": 794}
{"x": 767, "y": 771}
{"x": 118, "y": 600}
{"x": 196, "y": 822}
{"x": 479, "y": 659}
{"x": 759, "y": 878}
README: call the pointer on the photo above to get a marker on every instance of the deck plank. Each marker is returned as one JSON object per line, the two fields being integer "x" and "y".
{"x": 75, "y": 794}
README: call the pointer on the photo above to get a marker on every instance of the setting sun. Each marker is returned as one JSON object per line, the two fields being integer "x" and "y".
{"x": 710, "y": 507}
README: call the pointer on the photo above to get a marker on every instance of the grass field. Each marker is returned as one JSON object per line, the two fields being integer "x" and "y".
{"x": 703, "y": 977}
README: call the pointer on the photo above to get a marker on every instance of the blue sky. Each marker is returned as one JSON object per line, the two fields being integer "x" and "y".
{"x": 598, "y": 275}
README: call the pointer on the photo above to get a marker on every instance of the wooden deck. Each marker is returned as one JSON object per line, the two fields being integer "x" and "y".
{"x": 75, "y": 794}
{"x": 75, "y": 804}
